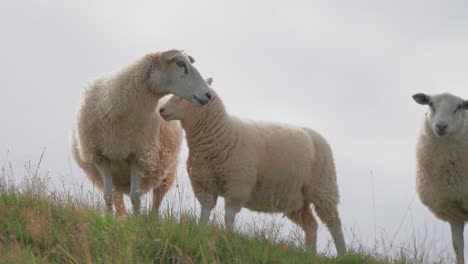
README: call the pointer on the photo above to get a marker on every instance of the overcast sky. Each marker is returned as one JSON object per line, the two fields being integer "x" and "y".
{"x": 345, "y": 68}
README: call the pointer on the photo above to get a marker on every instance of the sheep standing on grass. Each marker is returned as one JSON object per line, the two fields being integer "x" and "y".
{"x": 119, "y": 139}
{"x": 442, "y": 162}
{"x": 262, "y": 166}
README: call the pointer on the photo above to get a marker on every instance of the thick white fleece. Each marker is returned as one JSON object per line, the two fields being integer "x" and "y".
{"x": 118, "y": 120}
{"x": 262, "y": 166}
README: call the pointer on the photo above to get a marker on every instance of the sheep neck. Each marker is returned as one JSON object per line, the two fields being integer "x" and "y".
{"x": 131, "y": 96}
{"x": 208, "y": 129}
{"x": 445, "y": 154}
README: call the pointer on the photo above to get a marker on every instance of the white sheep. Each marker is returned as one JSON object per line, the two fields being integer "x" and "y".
{"x": 442, "y": 162}
{"x": 119, "y": 139}
{"x": 261, "y": 166}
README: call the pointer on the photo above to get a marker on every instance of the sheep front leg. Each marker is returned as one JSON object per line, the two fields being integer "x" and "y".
{"x": 229, "y": 217}
{"x": 207, "y": 202}
{"x": 205, "y": 214}
{"x": 235, "y": 197}
{"x": 106, "y": 175}
{"x": 457, "y": 240}
{"x": 230, "y": 211}
{"x": 136, "y": 173}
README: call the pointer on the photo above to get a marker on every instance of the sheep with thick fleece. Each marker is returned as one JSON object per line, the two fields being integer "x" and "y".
{"x": 442, "y": 162}
{"x": 119, "y": 139}
{"x": 261, "y": 166}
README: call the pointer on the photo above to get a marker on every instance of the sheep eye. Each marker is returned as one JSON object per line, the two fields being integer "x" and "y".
{"x": 181, "y": 64}
{"x": 431, "y": 106}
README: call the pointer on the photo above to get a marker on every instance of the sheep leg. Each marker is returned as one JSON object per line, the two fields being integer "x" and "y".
{"x": 235, "y": 197}
{"x": 136, "y": 173}
{"x": 306, "y": 220}
{"x": 457, "y": 240}
{"x": 230, "y": 217}
{"x": 160, "y": 191}
{"x": 230, "y": 211}
{"x": 106, "y": 174}
{"x": 205, "y": 214}
{"x": 207, "y": 201}
{"x": 119, "y": 203}
{"x": 207, "y": 204}
{"x": 206, "y": 207}
{"x": 328, "y": 213}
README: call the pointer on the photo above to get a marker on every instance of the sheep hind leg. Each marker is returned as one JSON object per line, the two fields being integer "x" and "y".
{"x": 306, "y": 220}
{"x": 119, "y": 204}
{"x": 457, "y": 240}
{"x": 136, "y": 173}
{"x": 160, "y": 191}
{"x": 328, "y": 213}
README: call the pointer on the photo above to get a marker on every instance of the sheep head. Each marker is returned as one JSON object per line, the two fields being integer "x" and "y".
{"x": 177, "y": 108}
{"x": 446, "y": 114}
{"x": 174, "y": 73}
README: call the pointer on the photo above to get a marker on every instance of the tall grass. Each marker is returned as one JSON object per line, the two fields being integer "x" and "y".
{"x": 43, "y": 224}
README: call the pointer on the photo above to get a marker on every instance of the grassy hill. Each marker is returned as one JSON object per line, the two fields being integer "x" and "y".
{"x": 39, "y": 226}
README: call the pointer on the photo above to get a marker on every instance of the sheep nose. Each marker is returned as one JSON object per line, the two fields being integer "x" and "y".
{"x": 208, "y": 95}
{"x": 161, "y": 110}
{"x": 442, "y": 126}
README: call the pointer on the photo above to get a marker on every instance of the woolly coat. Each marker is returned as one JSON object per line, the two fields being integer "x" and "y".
{"x": 442, "y": 174}
{"x": 262, "y": 166}
{"x": 118, "y": 120}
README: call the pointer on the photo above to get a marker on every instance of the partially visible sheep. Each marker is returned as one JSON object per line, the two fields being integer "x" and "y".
{"x": 442, "y": 162}
{"x": 120, "y": 141}
{"x": 262, "y": 166}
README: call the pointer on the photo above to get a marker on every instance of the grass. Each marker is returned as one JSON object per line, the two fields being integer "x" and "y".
{"x": 45, "y": 229}
{"x": 38, "y": 225}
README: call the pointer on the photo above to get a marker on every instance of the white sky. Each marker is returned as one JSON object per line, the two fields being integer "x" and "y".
{"x": 345, "y": 68}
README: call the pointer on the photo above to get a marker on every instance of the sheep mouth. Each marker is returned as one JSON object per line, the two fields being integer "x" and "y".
{"x": 201, "y": 100}
{"x": 440, "y": 133}
{"x": 165, "y": 116}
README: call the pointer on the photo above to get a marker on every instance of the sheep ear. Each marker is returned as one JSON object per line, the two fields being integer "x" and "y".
{"x": 421, "y": 98}
{"x": 192, "y": 60}
{"x": 209, "y": 81}
{"x": 169, "y": 55}
{"x": 465, "y": 105}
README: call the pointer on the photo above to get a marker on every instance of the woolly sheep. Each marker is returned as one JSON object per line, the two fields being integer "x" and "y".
{"x": 120, "y": 141}
{"x": 442, "y": 162}
{"x": 261, "y": 166}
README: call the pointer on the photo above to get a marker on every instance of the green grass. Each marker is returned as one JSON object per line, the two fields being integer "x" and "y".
{"x": 46, "y": 230}
{"x": 38, "y": 225}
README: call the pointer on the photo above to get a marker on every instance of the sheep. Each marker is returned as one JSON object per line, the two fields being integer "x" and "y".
{"x": 119, "y": 139}
{"x": 442, "y": 162}
{"x": 265, "y": 167}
